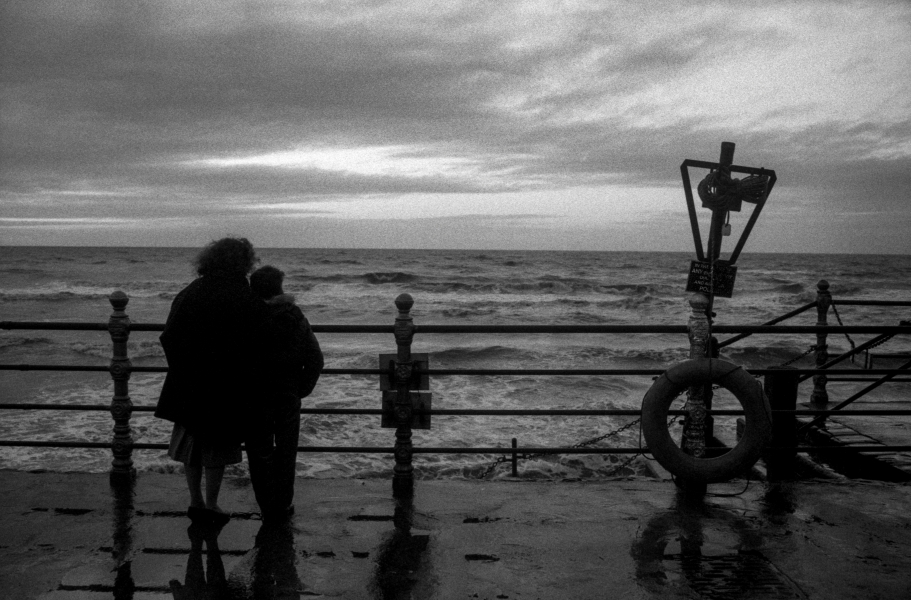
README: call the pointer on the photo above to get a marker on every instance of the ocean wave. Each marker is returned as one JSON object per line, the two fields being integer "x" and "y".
{"x": 17, "y": 341}
{"x": 68, "y": 292}
{"x": 766, "y": 356}
{"x": 379, "y": 278}
{"x": 484, "y": 353}
{"x": 22, "y": 271}
{"x": 61, "y": 296}
{"x": 144, "y": 348}
{"x": 789, "y": 288}
{"x": 469, "y": 312}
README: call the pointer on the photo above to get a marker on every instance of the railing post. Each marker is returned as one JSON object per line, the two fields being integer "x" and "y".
{"x": 820, "y": 397}
{"x": 698, "y": 332}
{"x": 698, "y": 397}
{"x": 403, "y": 473}
{"x": 781, "y": 390}
{"x": 515, "y": 458}
{"x": 121, "y": 406}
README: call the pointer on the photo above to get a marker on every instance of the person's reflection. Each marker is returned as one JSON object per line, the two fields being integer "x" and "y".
{"x": 274, "y": 570}
{"x": 400, "y": 554}
{"x": 200, "y": 584}
{"x": 268, "y": 570}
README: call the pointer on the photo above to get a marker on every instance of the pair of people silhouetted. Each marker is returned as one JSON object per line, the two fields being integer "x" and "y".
{"x": 240, "y": 357}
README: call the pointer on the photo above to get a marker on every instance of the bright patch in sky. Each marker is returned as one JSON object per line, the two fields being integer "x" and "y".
{"x": 394, "y": 161}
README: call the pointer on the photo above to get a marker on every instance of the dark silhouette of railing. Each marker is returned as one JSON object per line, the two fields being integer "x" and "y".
{"x": 782, "y": 394}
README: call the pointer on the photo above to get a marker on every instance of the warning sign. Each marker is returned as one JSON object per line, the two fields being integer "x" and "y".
{"x": 702, "y": 277}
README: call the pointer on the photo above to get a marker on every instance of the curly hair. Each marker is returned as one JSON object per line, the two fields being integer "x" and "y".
{"x": 266, "y": 282}
{"x": 227, "y": 255}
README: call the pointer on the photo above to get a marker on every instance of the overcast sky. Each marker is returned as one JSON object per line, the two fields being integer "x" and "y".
{"x": 487, "y": 124}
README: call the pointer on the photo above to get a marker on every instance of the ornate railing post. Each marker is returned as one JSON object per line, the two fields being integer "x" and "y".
{"x": 121, "y": 406}
{"x": 697, "y": 396}
{"x": 820, "y": 397}
{"x": 403, "y": 473}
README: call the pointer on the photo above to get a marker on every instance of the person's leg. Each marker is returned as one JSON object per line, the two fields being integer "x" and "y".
{"x": 194, "y": 483}
{"x": 214, "y": 476}
{"x": 260, "y": 455}
{"x": 287, "y": 433}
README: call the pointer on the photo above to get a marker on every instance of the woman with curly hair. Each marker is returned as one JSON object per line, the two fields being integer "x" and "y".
{"x": 212, "y": 341}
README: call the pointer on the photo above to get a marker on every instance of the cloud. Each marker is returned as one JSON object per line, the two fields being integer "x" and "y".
{"x": 221, "y": 105}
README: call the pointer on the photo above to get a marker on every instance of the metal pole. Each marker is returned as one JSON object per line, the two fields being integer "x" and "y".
{"x": 515, "y": 458}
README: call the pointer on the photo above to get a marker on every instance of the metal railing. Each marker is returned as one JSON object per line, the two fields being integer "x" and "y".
{"x": 121, "y": 407}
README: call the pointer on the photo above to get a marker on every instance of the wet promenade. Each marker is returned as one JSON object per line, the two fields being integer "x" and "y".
{"x": 69, "y": 536}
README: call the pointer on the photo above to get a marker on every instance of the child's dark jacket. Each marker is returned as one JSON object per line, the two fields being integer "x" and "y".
{"x": 294, "y": 358}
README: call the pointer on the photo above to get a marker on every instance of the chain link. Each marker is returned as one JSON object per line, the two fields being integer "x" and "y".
{"x": 850, "y": 341}
{"x": 796, "y": 358}
{"x": 582, "y": 444}
{"x": 502, "y": 459}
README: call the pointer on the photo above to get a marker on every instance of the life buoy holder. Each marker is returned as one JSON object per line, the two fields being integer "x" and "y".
{"x": 702, "y": 371}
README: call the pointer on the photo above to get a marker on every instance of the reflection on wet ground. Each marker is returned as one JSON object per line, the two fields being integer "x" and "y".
{"x": 267, "y": 570}
{"x": 714, "y": 552}
{"x": 64, "y": 537}
{"x": 401, "y": 554}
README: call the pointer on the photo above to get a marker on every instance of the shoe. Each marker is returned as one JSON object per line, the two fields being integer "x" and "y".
{"x": 197, "y": 513}
{"x": 217, "y": 519}
{"x": 278, "y": 515}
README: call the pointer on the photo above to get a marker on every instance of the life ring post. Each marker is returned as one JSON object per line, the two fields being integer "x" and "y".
{"x": 698, "y": 425}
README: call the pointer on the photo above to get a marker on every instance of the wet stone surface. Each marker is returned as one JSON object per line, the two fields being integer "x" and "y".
{"x": 628, "y": 538}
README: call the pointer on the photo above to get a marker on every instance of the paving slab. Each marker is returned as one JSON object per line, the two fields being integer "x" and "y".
{"x": 67, "y": 535}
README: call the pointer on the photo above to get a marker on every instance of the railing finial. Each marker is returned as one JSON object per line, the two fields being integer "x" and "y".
{"x": 404, "y": 302}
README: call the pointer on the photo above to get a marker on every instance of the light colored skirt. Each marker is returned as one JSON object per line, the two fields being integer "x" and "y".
{"x": 190, "y": 450}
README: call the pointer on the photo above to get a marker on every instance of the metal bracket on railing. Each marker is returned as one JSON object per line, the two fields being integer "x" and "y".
{"x": 418, "y": 382}
{"x": 418, "y": 416}
{"x": 419, "y": 378}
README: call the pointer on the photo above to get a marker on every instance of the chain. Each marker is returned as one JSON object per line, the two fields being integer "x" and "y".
{"x": 502, "y": 459}
{"x": 796, "y": 358}
{"x": 582, "y": 444}
{"x": 493, "y": 466}
{"x": 850, "y": 341}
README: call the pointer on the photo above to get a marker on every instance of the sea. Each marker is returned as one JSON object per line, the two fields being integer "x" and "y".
{"x": 357, "y": 286}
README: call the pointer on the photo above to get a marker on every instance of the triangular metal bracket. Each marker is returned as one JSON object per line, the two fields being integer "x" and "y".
{"x": 691, "y": 206}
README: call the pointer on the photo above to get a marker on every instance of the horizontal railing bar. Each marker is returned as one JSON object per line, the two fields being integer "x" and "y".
{"x": 623, "y": 450}
{"x": 82, "y": 368}
{"x": 871, "y": 302}
{"x": 544, "y": 412}
{"x": 53, "y": 325}
{"x": 864, "y": 379}
{"x": 451, "y": 372}
{"x": 575, "y": 329}
{"x": 453, "y": 450}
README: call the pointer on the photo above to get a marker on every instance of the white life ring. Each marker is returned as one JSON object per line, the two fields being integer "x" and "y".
{"x": 701, "y": 371}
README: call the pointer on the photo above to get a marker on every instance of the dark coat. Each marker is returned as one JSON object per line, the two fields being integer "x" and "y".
{"x": 294, "y": 358}
{"x": 213, "y": 341}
